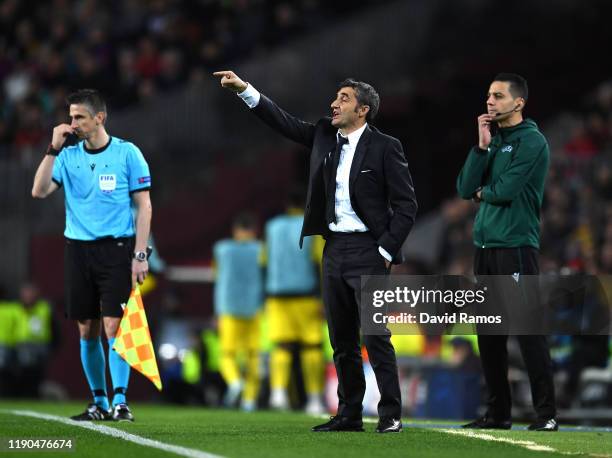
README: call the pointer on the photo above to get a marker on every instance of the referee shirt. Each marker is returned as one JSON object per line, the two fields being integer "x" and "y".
{"x": 97, "y": 187}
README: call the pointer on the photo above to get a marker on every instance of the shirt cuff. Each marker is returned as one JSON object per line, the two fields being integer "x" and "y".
{"x": 250, "y": 96}
{"x": 385, "y": 254}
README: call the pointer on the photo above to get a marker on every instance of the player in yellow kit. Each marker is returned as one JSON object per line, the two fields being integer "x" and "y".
{"x": 238, "y": 300}
{"x": 293, "y": 307}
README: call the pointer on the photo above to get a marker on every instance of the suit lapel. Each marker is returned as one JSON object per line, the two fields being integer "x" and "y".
{"x": 360, "y": 152}
{"x": 326, "y": 147}
{"x": 319, "y": 153}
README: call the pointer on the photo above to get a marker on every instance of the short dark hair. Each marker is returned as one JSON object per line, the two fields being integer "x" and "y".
{"x": 366, "y": 95}
{"x": 245, "y": 220}
{"x": 296, "y": 196}
{"x": 518, "y": 84}
{"x": 91, "y": 98}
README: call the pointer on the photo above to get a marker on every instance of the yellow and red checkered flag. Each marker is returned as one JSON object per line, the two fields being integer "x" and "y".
{"x": 133, "y": 339}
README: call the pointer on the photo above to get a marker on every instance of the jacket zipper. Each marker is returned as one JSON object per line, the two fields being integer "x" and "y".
{"x": 483, "y": 224}
{"x": 492, "y": 160}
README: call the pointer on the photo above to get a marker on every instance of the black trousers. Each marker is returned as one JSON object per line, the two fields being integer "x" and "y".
{"x": 534, "y": 348}
{"x": 346, "y": 257}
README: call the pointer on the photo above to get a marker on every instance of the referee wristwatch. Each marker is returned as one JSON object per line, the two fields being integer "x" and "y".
{"x": 140, "y": 256}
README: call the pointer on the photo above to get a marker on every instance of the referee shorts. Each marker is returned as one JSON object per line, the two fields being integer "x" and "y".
{"x": 97, "y": 277}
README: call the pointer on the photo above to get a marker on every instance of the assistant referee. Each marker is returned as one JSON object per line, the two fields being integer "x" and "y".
{"x": 105, "y": 252}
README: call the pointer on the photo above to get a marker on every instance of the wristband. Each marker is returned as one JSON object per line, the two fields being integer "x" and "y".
{"x": 52, "y": 151}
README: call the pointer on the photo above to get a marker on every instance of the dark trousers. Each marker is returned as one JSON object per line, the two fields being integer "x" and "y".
{"x": 345, "y": 259}
{"x": 534, "y": 348}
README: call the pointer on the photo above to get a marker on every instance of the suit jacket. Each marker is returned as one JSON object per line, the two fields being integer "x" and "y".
{"x": 380, "y": 184}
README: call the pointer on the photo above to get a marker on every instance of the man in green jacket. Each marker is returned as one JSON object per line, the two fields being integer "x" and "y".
{"x": 506, "y": 174}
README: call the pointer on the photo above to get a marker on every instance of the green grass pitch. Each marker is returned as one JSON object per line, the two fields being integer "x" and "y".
{"x": 270, "y": 434}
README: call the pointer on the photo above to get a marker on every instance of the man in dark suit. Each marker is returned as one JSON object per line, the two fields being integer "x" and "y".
{"x": 361, "y": 199}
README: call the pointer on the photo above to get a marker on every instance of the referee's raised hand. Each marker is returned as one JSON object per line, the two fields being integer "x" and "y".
{"x": 59, "y": 135}
{"x": 231, "y": 81}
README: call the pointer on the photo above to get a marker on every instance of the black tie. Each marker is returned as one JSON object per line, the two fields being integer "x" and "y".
{"x": 331, "y": 169}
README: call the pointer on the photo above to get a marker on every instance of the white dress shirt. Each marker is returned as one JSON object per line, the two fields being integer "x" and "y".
{"x": 346, "y": 218}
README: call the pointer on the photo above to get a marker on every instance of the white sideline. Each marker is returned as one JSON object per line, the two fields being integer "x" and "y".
{"x": 521, "y": 443}
{"x": 177, "y": 449}
{"x": 489, "y": 437}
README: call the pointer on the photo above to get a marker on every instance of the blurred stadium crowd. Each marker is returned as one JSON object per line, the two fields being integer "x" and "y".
{"x": 134, "y": 50}
{"x": 131, "y": 50}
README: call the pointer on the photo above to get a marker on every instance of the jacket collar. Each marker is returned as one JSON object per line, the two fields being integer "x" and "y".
{"x": 353, "y": 137}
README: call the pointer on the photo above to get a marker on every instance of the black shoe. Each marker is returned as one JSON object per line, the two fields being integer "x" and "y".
{"x": 487, "y": 422}
{"x": 339, "y": 423}
{"x": 389, "y": 425}
{"x": 93, "y": 412}
{"x": 544, "y": 425}
{"x": 121, "y": 412}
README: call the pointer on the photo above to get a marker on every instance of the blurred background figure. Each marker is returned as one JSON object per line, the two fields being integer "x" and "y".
{"x": 293, "y": 306}
{"x": 193, "y": 362}
{"x": 238, "y": 299}
{"x": 37, "y": 337}
{"x": 10, "y": 314}
{"x": 585, "y": 352}
{"x": 212, "y": 381}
